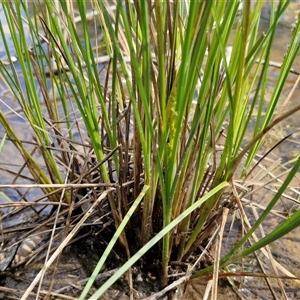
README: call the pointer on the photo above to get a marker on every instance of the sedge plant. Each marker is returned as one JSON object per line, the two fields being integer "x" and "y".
{"x": 170, "y": 93}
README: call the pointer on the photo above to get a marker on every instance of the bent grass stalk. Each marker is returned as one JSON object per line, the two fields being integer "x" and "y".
{"x": 281, "y": 230}
{"x": 154, "y": 240}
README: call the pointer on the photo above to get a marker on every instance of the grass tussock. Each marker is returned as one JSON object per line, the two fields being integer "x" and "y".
{"x": 149, "y": 124}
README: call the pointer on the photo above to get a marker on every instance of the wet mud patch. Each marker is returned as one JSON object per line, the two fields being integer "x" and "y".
{"x": 67, "y": 278}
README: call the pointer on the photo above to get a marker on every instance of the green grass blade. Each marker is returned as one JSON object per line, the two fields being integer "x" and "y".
{"x": 112, "y": 242}
{"x": 282, "y": 229}
{"x": 2, "y": 142}
{"x": 154, "y": 240}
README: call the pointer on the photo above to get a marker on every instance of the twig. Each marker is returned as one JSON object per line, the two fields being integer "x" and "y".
{"x": 169, "y": 287}
{"x": 15, "y": 291}
{"x": 278, "y": 65}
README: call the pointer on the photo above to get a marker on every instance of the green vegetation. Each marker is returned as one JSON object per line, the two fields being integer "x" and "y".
{"x": 155, "y": 121}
